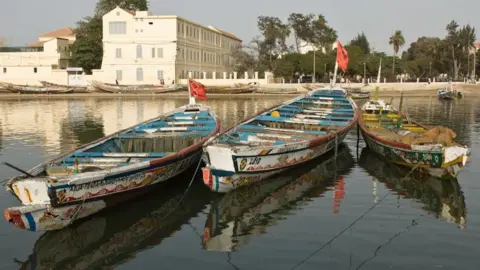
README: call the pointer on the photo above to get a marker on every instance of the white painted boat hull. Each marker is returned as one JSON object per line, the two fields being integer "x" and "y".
{"x": 251, "y": 169}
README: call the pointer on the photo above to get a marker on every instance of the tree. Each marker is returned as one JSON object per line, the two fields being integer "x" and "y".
{"x": 3, "y": 41}
{"x": 361, "y": 41}
{"x": 458, "y": 42}
{"x": 87, "y": 51}
{"x": 275, "y": 34}
{"x": 301, "y": 26}
{"x": 397, "y": 41}
{"x": 323, "y": 35}
{"x": 104, "y": 6}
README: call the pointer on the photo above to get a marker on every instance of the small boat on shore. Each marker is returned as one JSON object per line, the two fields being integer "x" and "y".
{"x": 275, "y": 91}
{"x": 249, "y": 211}
{"x": 443, "y": 199}
{"x": 26, "y": 89}
{"x": 76, "y": 89}
{"x": 282, "y": 137}
{"x": 405, "y": 142}
{"x": 140, "y": 89}
{"x": 242, "y": 89}
{"x": 358, "y": 94}
{"x": 85, "y": 179}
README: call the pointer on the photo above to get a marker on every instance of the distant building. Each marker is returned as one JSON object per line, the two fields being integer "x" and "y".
{"x": 305, "y": 47}
{"x": 38, "y": 59}
{"x": 142, "y": 48}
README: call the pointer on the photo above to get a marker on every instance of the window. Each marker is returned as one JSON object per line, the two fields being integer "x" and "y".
{"x": 117, "y": 28}
{"x": 153, "y": 52}
{"x": 159, "y": 74}
{"x": 150, "y": 23}
{"x": 141, "y": 30}
{"x": 139, "y": 51}
{"x": 4, "y": 70}
{"x": 119, "y": 75}
{"x": 204, "y": 57}
{"x": 188, "y": 32}
{"x": 34, "y": 70}
{"x": 118, "y": 13}
{"x": 139, "y": 74}
{"x": 160, "y": 52}
{"x": 118, "y": 53}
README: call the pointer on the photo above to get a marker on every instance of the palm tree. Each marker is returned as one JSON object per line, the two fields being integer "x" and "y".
{"x": 397, "y": 41}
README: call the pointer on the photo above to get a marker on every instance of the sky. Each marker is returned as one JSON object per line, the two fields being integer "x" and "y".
{"x": 22, "y": 21}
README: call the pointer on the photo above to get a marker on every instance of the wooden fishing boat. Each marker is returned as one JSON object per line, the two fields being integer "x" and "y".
{"x": 131, "y": 159}
{"x": 358, "y": 94}
{"x": 241, "y": 214}
{"x": 26, "y": 89}
{"x": 276, "y": 91}
{"x": 142, "y": 89}
{"x": 410, "y": 143}
{"x": 230, "y": 90}
{"x": 110, "y": 239}
{"x": 449, "y": 93}
{"x": 443, "y": 199}
{"x": 76, "y": 89}
{"x": 283, "y": 136}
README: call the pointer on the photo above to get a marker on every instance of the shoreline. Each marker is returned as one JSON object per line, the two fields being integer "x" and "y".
{"x": 467, "y": 90}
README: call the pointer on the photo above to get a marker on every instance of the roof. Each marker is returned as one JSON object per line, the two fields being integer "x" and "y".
{"x": 230, "y": 35}
{"x": 131, "y": 12}
{"x": 36, "y": 44}
{"x": 477, "y": 44}
{"x": 64, "y": 32}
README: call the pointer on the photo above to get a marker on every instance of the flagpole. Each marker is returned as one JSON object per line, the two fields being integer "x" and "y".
{"x": 335, "y": 74}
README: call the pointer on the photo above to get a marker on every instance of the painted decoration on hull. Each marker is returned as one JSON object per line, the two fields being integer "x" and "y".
{"x": 36, "y": 218}
{"x": 408, "y": 157}
{"x": 287, "y": 159}
{"x": 106, "y": 187}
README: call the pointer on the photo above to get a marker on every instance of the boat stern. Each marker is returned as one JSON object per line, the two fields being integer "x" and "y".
{"x": 220, "y": 165}
{"x": 454, "y": 159}
{"x": 30, "y": 190}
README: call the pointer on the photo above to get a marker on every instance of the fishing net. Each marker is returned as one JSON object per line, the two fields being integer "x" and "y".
{"x": 437, "y": 135}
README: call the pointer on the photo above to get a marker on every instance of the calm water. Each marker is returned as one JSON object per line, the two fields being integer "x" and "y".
{"x": 316, "y": 217}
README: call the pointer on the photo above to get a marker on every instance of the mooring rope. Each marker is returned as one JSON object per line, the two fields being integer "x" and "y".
{"x": 351, "y": 224}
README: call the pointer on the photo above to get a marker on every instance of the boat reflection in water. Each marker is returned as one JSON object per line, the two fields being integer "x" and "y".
{"x": 442, "y": 198}
{"x": 112, "y": 238}
{"x": 247, "y": 211}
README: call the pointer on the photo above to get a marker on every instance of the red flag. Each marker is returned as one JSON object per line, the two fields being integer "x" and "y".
{"x": 342, "y": 57}
{"x": 197, "y": 89}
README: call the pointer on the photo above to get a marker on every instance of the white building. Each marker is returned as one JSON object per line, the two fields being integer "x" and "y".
{"x": 305, "y": 47}
{"x": 140, "y": 48}
{"x": 37, "y": 60}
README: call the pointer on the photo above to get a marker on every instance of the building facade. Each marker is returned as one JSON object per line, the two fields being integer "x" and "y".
{"x": 37, "y": 60}
{"x": 140, "y": 48}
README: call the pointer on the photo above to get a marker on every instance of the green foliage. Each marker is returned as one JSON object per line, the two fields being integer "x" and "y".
{"x": 361, "y": 41}
{"x": 104, "y": 6}
{"x": 87, "y": 51}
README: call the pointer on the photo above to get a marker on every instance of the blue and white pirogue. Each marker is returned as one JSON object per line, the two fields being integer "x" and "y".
{"x": 284, "y": 136}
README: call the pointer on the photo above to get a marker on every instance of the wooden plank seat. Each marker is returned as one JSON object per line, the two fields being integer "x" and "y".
{"x": 165, "y": 134}
{"x": 340, "y": 104}
{"x": 280, "y": 131}
{"x": 301, "y": 121}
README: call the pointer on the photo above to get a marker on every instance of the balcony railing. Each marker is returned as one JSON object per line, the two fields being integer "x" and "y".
{"x": 20, "y": 49}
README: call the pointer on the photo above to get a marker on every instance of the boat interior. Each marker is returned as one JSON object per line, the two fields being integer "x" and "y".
{"x": 385, "y": 124}
{"x": 156, "y": 139}
{"x": 323, "y": 112}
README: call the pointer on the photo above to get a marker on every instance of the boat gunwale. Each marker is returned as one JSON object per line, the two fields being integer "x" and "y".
{"x": 390, "y": 143}
{"x": 311, "y": 143}
{"x": 35, "y": 171}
